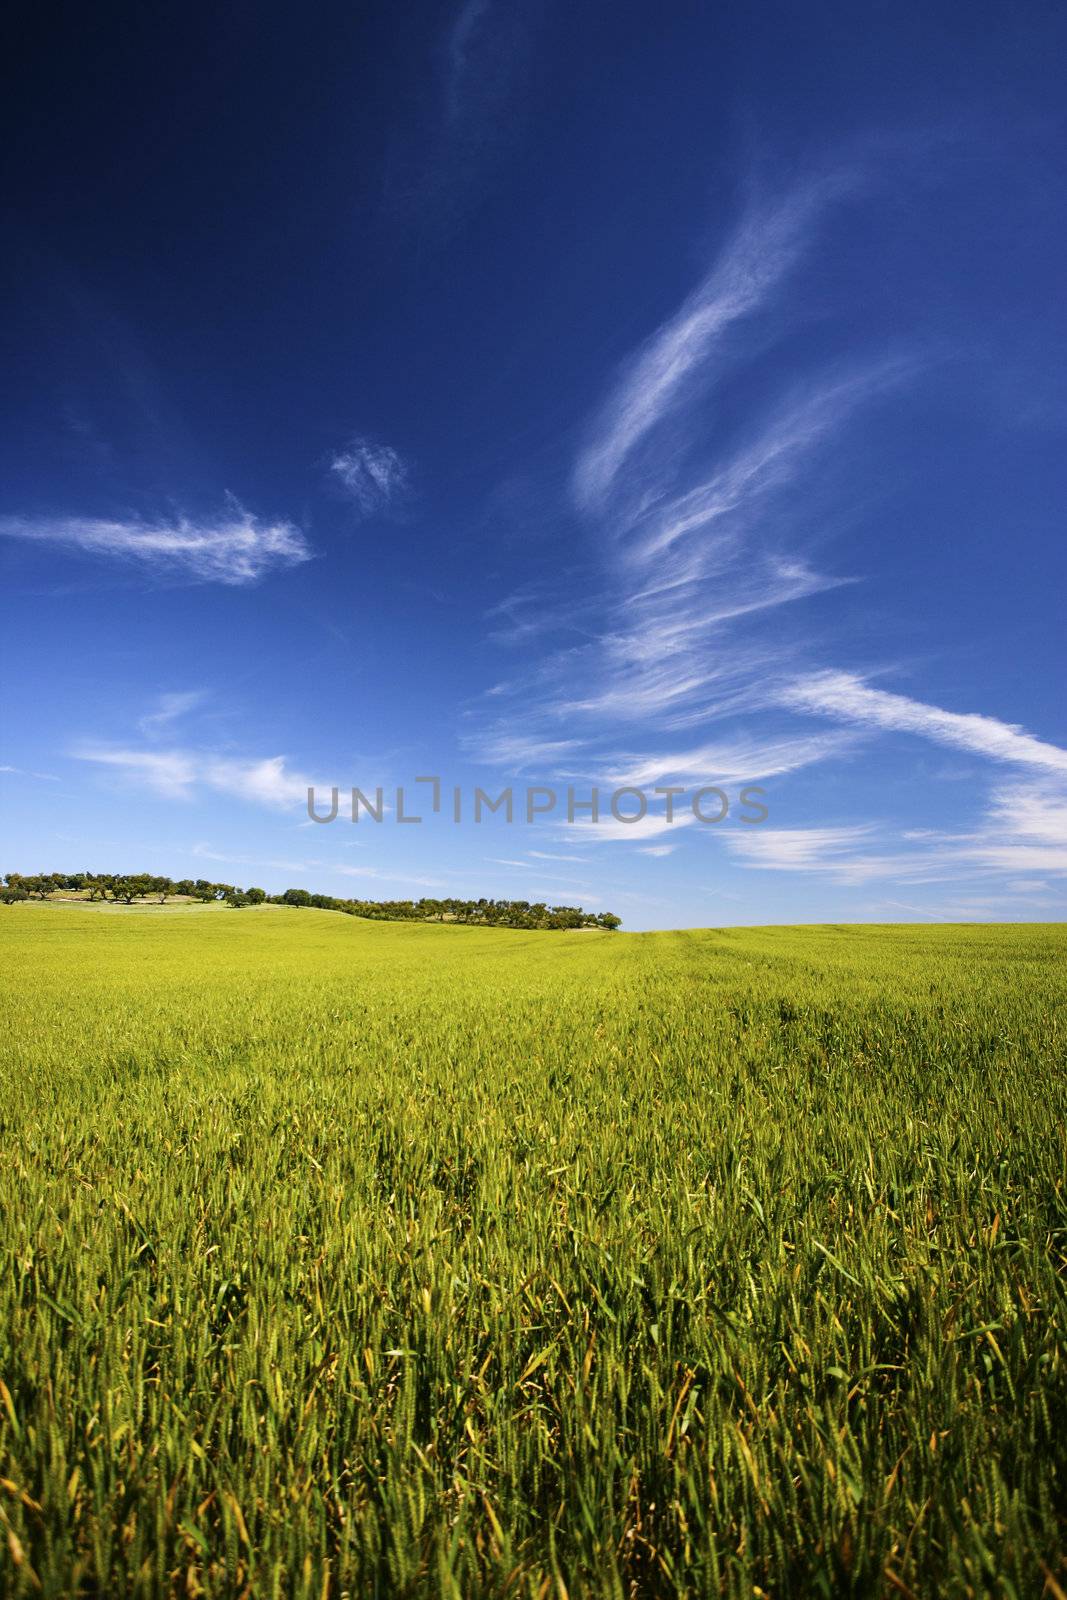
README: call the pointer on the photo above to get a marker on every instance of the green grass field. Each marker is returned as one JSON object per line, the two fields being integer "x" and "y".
{"x": 373, "y": 1259}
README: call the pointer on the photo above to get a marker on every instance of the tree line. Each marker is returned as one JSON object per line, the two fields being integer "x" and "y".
{"x": 122, "y": 888}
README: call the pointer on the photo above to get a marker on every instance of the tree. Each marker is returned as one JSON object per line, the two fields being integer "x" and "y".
{"x": 566, "y": 917}
{"x": 133, "y": 887}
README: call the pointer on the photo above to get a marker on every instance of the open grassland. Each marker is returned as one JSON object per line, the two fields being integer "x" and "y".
{"x": 386, "y": 1260}
{"x": 118, "y": 908}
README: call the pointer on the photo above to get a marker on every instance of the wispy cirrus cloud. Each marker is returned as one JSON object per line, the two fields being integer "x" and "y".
{"x": 845, "y": 696}
{"x": 1025, "y": 829}
{"x": 1022, "y": 830}
{"x": 234, "y": 548}
{"x": 834, "y": 852}
{"x": 768, "y": 457}
{"x": 697, "y": 552}
{"x": 519, "y": 752}
{"x": 733, "y": 761}
{"x": 23, "y": 772}
{"x": 697, "y": 577}
{"x": 609, "y": 830}
{"x": 678, "y": 358}
{"x": 170, "y": 708}
{"x": 182, "y": 774}
{"x": 374, "y": 476}
{"x": 701, "y": 533}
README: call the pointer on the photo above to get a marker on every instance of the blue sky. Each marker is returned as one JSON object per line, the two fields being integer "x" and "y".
{"x": 534, "y": 394}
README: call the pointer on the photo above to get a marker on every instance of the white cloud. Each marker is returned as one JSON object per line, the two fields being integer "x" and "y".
{"x": 267, "y": 782}
{"x": 768, "y": 459}
{"x": 694, "y": 528}
{"x": 1036, "y": 810}
{"x": 233, "y": 548}
{"x": 610, "y": 831}
{"x": 696, "y": 577}
{"x": 802, "y": 849}
{"x": 732, "y": 761}
{"x": 767, "y": 244}
{"x": 169, "y": 708}
{"x": 373, "y": 474}
{"x": 704, "y": 532}
{"x": 168, "y": 773}
{"x": 517, "y": 751}
{"x": 847, "y": 697}
{"x": 1025, "y": 829}
{"x": 22, "y": 772}
{"x": 178, "y": 774}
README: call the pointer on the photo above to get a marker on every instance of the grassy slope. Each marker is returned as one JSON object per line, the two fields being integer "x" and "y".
{"x": 467, "y": 1262}
{"x": 81, "y": 902}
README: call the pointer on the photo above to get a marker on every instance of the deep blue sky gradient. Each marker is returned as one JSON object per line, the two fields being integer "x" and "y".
{"x": 242, "y": 245}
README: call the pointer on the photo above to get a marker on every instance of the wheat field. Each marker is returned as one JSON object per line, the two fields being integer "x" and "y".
{"x": 369, "y": 1259}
